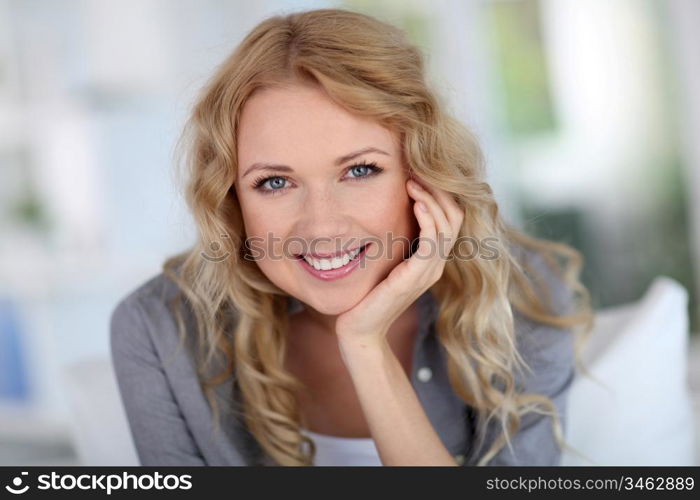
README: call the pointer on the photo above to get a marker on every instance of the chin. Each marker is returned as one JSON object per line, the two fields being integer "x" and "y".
{"x": 331, "y": 305}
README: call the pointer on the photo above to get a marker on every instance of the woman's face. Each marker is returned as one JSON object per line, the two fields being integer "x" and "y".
{"x": 318, "y": 202}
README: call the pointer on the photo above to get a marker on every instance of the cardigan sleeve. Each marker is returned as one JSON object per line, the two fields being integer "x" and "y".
{"x": 549, "y": 352}
{"x": 160, "y": 433}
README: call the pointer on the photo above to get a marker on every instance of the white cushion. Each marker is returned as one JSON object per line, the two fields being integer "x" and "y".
{"x": 642, "y": 414}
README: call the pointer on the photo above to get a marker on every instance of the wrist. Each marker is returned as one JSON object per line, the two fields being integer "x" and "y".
{"x": 357, "y": 350}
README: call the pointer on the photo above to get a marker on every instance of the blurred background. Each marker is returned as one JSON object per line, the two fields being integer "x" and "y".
{"x": 588, "y": 113}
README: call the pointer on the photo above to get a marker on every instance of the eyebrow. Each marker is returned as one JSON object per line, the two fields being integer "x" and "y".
{"x": 338, "y": 161}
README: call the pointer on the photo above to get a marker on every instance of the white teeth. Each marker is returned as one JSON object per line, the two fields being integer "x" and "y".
{"x": 335, "y": 263}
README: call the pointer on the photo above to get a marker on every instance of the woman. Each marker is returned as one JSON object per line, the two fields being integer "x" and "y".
{"x": 354, "y": 296}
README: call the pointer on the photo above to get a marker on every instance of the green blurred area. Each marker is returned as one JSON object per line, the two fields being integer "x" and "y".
{"x": 654, "y": 239}
{"x": 516, "y": 40}
{"x": 641, "y": 255}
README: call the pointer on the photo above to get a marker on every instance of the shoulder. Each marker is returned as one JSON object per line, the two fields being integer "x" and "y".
{"x": 158, "y": 288}
{"x": 143, "y": 316}
{"x": 548, "y": 282}
{"x": 543, "y": 345}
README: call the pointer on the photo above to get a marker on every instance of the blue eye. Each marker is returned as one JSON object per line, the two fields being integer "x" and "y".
{"x": 276, "y": 183}
{"x": 366, "y": 168}
{"x": 361, "y": 171}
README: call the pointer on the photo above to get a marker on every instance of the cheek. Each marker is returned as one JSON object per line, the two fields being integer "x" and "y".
{"x": 264, "y": 233}
{"x": 395, "y": 210}
{"x": 391, "y": 219}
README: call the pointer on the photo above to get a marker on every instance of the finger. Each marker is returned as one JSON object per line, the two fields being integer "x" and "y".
{"x": 428, "y": 232}
{"x": 453, "y": 211}
{"x": 444, "y": 227}
{"x": 427, "y": 264}
{"x": 417, "y": 192}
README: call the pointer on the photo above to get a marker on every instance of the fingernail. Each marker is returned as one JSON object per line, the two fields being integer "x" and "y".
{"x": 422, "y": 206}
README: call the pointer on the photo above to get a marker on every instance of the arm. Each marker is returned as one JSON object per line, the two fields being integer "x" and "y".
{"x": 160, "y": 433}
{"x": 401, "y": 429}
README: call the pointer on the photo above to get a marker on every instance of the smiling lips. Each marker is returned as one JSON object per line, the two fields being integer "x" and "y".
{"x": 340, "y": 265}
{"x": 326, "y": 262}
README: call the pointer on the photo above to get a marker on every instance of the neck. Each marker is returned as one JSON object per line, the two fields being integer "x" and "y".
{"x": 325, "y": 323}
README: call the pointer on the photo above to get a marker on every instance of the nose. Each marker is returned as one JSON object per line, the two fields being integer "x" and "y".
{"x": 324, "y": 218}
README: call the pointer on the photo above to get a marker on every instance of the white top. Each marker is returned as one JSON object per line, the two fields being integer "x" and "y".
{"x": 344, "y": 451}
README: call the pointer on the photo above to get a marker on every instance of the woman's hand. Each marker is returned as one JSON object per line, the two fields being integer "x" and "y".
{"x": 369, "y": 321}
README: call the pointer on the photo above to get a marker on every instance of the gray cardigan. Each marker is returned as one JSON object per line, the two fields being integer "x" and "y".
{"x": 172, "y": 423}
